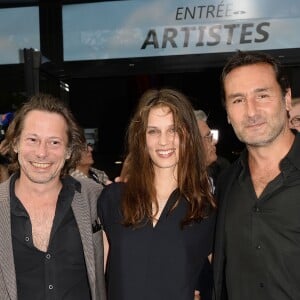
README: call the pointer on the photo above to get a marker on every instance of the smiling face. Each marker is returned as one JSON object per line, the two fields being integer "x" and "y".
{"x": 255, "y": 105}
{"x": 42, "y": 147}
{"x": 162, "y": 139}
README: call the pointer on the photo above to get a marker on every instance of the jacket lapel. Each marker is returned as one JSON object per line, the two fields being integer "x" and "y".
{"x": 82, "y": 215}
{"x": 6, "y": 251}
{"x": 224, "y": 186}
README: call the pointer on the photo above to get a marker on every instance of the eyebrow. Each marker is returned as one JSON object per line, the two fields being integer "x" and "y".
{"x": 153, "y": 126}
{"x": 235, "y": 95}
{"x": 259, "y": 90}
{"x": 239, "y": 94}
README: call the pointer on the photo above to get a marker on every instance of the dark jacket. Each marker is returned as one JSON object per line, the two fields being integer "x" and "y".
{"x": 224, "y": 184}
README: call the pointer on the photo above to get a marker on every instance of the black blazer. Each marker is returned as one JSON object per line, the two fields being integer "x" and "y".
{"x": 223, "y": 188}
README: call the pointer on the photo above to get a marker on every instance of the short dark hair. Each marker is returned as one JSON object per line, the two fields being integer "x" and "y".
{"x": 244, "y": 58}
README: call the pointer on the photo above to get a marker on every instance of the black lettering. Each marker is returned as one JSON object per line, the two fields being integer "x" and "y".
{"x": 179, "y": 13}
{"x": 214, "y": 32}
{"x": 200, "y": 11}
{"x": 151, "y": 39}
{"x": 187, "y": 31}
{"x": 263, "y": 33}
{"x": 219, "y": 10}
{"x": 230, "y": 28}
{"x": 169, "y": 35}
{"x": 210, "y": 11}
{"x": 244, "y": 33}
{"x": 190, "y": 13}
{"x": 201, "y": 30}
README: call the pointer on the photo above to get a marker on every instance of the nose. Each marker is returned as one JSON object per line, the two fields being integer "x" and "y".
{"x": 42, "y": 149}
{"x": 251, "y": 106}
{"x": 163, "y": 139}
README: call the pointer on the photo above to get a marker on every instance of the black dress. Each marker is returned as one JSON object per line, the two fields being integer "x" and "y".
{"x": 153, "y": 263}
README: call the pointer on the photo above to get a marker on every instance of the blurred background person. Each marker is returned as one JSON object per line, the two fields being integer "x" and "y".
{"x": 207, "y": 136}
{"x": 215, "y": 163}
{"x": 84, "y": 167}
{"x": 5, "y": 172}
{"x": 294, "y": 114}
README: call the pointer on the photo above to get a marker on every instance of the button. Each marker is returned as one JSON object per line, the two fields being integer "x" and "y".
{"x": 256, "y": 209}
{"x": 50, "y": 286}
{"x": 258, "y": 247}
{"x": 27, "y": 239}
{"x": 48, "y": 255}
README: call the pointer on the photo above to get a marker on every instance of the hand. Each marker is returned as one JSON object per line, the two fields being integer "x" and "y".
{"x": 107, "y": 182}
{"x": 118, "y": 179}
{"x": 197, "y": 295}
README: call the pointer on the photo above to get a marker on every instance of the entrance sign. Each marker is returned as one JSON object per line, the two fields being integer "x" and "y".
{"x": 143, "y": 28}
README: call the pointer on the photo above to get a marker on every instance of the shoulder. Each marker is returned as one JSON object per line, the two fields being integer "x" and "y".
{"x": 87, "y": 187}
{"x": 109, "y": 202}
{"x": 229, "y": 172}
{"x": 112, "y": 192}
{"x": 4, "y": 189}
{"x": 226, "y": 179}
{"x": 99, "y": 172}
{"x": 110, "y": 197}
{"x": 77, "y": 174}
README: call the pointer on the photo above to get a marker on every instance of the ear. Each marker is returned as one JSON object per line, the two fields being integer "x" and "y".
{"x": 228, "y": 120}
{"x": 15, "y": 147}
{"x": 68, "y": 154}
{"x": 288, "y": 100}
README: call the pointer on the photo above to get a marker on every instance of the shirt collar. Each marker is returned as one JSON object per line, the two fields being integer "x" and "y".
{"x": 68, "y": 182}
{"x": 292, "y": 157}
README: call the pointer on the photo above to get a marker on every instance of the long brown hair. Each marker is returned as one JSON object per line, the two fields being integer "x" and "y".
{"x": 193, "y": 180}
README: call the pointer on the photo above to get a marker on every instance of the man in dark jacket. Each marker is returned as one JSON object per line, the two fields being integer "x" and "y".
{"x": 257, "y": 243}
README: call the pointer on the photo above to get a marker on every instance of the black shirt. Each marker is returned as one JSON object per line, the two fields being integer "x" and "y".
{"x": 59, "y": 273}
{"x": 153, "y": 263}
{"x": 263, "y": 234}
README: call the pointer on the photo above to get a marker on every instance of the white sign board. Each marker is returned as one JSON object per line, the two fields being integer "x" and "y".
{"x": 140, "y": 28}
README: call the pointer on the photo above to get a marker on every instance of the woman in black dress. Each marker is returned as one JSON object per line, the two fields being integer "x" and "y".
{"x": 159, "y": 223}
